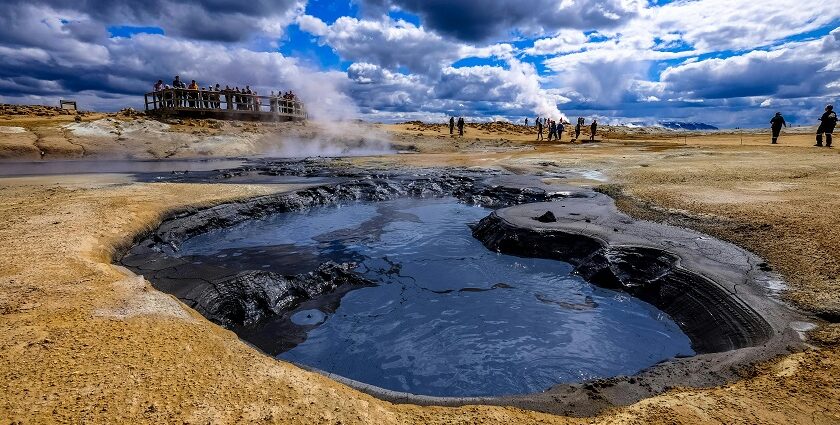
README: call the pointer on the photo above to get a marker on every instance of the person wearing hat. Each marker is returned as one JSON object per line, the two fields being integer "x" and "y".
{"x": 776, "y": 125}
{"x": 827, "y": 123}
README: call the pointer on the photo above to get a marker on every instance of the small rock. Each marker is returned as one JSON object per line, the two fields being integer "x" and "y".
{"x": 548, "y": 217}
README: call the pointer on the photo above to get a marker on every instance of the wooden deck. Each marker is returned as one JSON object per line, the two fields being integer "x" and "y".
{"x": 222, "y": 105}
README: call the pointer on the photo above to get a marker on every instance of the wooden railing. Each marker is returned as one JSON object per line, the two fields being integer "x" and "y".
{"x": 185, "y": 100}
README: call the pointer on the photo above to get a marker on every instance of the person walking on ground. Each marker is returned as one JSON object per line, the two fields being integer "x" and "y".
{"x": 552, "y": 129}
{"x": 539, "y": 130}
{"x": 526, "y": 122}
{"x": 560, "y": 129}
{"x": 776, "y": 124}
{"x": 451, "y": 126}
{"x": 537, "y": 121}
{"x": 461, "y": 126}
{"x": 828, "y": 121}
{"x": 577, "y": 128}
{"x": 592, "y": 129}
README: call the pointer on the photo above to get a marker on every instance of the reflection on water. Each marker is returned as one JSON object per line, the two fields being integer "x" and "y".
{"x": 449, "y": 317}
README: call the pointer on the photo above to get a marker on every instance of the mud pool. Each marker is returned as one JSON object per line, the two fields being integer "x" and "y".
{"x": 447, "y": 317}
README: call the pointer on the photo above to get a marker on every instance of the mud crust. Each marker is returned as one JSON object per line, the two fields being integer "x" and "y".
{"x": 715, "y": 291}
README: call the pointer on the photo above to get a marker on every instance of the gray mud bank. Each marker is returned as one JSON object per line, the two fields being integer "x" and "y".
{"x": 719, "y": 294}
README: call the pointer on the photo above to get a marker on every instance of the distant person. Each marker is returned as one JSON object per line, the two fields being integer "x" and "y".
{"x": 537, "y": 121}
{"x": 552, "y": 129}
{"x": 451, "y": 126}
{"x": 228, "y": 97}
{"x": 526, "y": 122}
{"x": 776, "y": 124}
{"x": 157, "y": 96}
{"x": 828, "y": 121}
{"x": 560, "y": 129}
{"x": 592, "y": 129}
{"x": 217, "y": 97}
{"x": 461, "y": 126}
{"x": 178, "y": 84}
{"x": 539, "y": 130}
{"x": 577, "y": 128}
{"x": 192, "y": 96}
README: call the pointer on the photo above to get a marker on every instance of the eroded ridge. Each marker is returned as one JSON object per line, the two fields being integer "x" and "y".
{"x": 715, "y": 319}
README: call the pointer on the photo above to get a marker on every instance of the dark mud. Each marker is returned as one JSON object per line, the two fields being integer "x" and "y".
{"x": 717, "y": 292}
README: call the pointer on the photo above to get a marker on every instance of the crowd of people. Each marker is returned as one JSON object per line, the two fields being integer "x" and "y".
{"x": 212, "y": 97}
{"x": 557, "y": 128}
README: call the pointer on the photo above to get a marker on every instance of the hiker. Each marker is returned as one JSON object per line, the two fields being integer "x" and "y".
{"x": 537, "y": 121}
{"x": 526, "y": 122}
{"x": 451, "y": 126}
{"x": 552, "y": 129}
{"x": 592, "y": 129}
{"x": 539, "y": 130}
{"x": 228, "y": 97}
{"x": 577, "y": 128}
{"x": 461, "y": 126}
{"x": 828, "y": 121}
{"x": 560, "y": 129}
{"x": 776, "y": 124}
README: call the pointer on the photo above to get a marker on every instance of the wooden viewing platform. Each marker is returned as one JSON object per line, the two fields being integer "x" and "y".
{"x": 223, "y": 105}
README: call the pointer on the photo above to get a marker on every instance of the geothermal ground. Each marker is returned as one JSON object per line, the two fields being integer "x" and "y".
{"x": 84, "y": 340}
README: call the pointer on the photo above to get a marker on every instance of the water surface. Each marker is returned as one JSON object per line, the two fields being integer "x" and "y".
{"x": 448, "y": 317}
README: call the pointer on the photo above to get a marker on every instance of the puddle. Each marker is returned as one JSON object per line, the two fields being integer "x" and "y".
{"x": 448, "y": 317}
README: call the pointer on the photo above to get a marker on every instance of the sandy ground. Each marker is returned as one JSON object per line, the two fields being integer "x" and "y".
{"x": 84, "y": 341}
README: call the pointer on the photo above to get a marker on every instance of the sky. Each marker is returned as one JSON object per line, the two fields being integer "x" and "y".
{"x": 729, "y": 63}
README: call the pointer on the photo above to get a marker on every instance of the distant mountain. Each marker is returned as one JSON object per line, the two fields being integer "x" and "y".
{"x": 676, "y": 125}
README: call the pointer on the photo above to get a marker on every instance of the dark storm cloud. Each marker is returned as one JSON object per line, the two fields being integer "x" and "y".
{"x": 482, "y": 20}
{"x": 218, "y": 20}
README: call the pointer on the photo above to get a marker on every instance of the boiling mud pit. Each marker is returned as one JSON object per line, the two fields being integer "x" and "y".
{"x": 444, "y": 316}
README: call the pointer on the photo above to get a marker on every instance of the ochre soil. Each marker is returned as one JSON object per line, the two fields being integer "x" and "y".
{"x": 84, "y": 341}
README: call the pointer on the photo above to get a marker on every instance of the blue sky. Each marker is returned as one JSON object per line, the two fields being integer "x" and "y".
{"x": 731, "y": 63}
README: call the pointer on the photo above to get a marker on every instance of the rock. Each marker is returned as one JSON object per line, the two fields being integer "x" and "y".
{"x": 548, "y": 217}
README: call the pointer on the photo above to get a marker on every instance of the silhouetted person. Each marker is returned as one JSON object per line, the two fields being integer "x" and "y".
{"x": 828, "y": 121}
{"x": 451, "y": 125}
{"x": 539, "y": 130}
{"x": 577, "y": 128}
{"x": 526, "y": 122}
{"x": 776, "y": 125}
{"x": 460, "y": 126}
{"x": 592, "y": 129}
{"x": 552, "y": 129}
{"x": 560, "y": 129}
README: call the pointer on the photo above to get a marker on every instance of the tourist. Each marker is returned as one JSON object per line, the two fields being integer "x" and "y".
{"x": 228, "y": 97}
{"x": 828, "y": 121}
{"x": 451, "y": 126}
{"x": 168, "y": 98}
{"x": 193, "y": 87}
{"x": 776, "y": 124}
{"x": 179, "y": 85}
{"x": 526, "y": 122}
{"x": 552, "y": 129}
{"x": 560, "y": 129}
{"x": 592, "y": 129}
{"x": 539, "y": 129}
{"x": 577, "y": 128}
{"x": 461, "y": 126}
{"x": 237, "y": 98}
{"x": 157, "y": 97}
{"x": 217, "y": 96}
{"x": 272, "y": 101}
{"x": 248, "y": 99}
